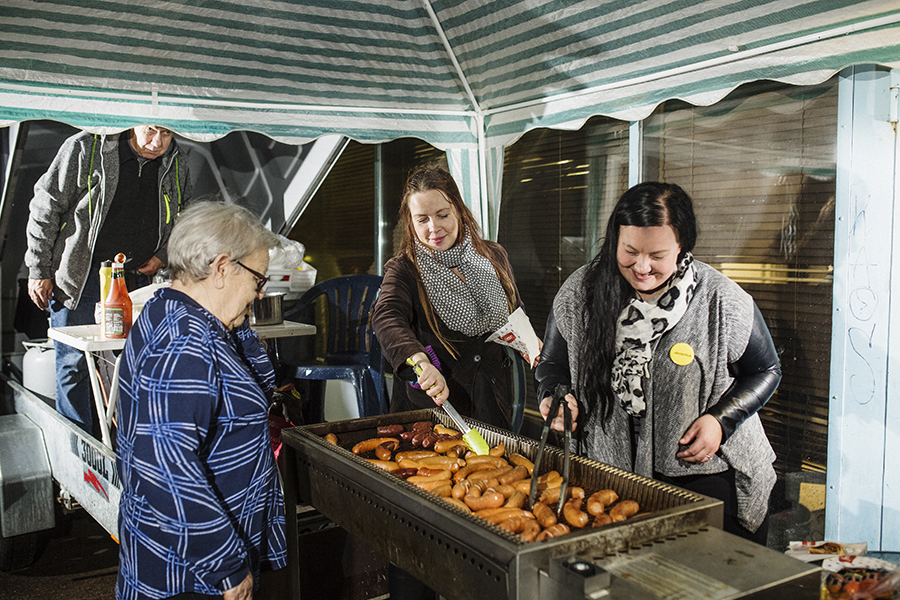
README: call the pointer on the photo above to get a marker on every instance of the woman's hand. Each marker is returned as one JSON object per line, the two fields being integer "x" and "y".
{"x": 537, "y": 358}
{"x": 558, "y": 423}
{"x": 704, "y": 437}
{"x": 242, "y": 591}
{"x": 431, "y": 380}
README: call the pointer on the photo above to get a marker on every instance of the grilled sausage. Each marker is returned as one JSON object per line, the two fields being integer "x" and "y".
{"x": 544, "y": 483}
{"x": 443, "y": 446}
{"x": 440, "y": 475}
{"x": 506, "y": 490}
{"x": 502, "y": 514}
{"x": 470, "y": 468}
{"x": 371, "y": 444}
{"x": 551, "y": 532}
{"x": 601, "y": 520}
{"x": 514, "y": 474}
{"x": 486, "y": 500}
{"x": 551, "y": 495}
{"x": 573, "y": 514}
{"x": 432, "y": 484}
{"x": 623, "y": 510}
{"x": 519, "y": 460}
{"x": 428, "y": 471}
{"x": 456, "y": 451}
{"x": 447, "y": 462}
{"x": 443, "y": 491}
{"x": 405, "y": 473}
{"x": 491, "y": 473}
{"x": 544, "y": 514}
{"x": 460, "y": 489}
{"x": 458, "y": 504}
{"x": 384, "y": 452}
{"x": 390, "y": 430}
{"x": 497, "y": 461}
{"x": 597, "y": 502}
{"x": 516, "y": 500}
{"x": 526, "y": 527}
{"x": 387, "y": 465}
{"x": 419, "y": 437}
{"x": 331, "y": 439}
{"x": 447, "y": 431}
{"x": 415, "y": 454}
{"x": 430, "y": 440}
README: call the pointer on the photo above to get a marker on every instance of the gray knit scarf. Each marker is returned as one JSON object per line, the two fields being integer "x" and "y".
{"x": 472, "y": 307}
{"x": 638, "y": 326}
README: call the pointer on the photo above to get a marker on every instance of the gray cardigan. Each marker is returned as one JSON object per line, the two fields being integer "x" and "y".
{"x": 717, "y": 326}
{"x": 64, "y": 222}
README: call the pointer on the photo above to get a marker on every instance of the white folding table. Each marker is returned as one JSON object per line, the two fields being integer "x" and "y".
{"x": 87, "y": 339}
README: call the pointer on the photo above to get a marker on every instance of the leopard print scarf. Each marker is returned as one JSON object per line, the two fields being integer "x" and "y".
{"x": 473, "y": 307}
{"x": 639, "y": 325}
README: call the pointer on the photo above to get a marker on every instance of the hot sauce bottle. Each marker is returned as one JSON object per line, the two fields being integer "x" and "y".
{"x": 117, "y": 304}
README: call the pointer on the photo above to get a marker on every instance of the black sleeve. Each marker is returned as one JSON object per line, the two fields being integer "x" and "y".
{"x": 756, "y": 376}
{"x": 553, "y": 367}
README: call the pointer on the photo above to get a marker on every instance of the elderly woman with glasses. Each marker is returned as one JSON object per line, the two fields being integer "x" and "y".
{"x": 201, "y": 512}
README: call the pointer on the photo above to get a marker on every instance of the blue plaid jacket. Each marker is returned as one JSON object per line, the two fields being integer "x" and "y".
{"x": 201, "y": 501}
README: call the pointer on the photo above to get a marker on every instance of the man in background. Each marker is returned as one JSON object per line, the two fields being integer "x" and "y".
{"x": 102, "y": 195}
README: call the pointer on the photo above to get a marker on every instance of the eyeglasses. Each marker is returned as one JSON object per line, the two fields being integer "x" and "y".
{"x": 261, "y": 280}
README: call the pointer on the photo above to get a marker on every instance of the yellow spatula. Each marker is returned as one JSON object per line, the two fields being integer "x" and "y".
{"x": 471, "y": 437}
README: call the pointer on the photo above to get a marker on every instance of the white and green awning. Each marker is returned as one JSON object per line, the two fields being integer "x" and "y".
{"x": 469, "y": 76}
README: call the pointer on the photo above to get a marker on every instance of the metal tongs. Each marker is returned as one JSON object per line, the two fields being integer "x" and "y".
{"x": 559, "y": 397}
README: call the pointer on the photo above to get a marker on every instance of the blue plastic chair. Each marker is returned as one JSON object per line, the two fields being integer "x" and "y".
{"x": 345, "y": 345}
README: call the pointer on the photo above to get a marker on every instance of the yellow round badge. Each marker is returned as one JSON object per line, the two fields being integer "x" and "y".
{"x": 681, "y": 354}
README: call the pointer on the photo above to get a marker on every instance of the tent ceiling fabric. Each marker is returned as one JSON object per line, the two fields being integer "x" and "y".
{"x": 451, "y": 72}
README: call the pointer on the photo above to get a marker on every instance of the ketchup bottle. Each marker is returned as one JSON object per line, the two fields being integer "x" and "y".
{"x": 117, "y": 304}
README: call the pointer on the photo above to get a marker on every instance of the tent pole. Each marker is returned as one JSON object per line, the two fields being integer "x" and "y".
{"x": 487, "y": 224}
{"x": 487, "y": 217}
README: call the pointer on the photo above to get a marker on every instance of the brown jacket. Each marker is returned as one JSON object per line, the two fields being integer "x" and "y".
{"x": 480, "y": 380}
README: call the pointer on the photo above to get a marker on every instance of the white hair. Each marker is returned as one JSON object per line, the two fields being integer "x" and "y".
{"x": 208, "y": 229}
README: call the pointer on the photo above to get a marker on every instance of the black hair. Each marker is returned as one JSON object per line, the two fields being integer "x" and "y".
{"x": 649, "y": 204}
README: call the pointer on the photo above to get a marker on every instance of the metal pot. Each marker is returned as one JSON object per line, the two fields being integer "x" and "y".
{"x": 268, "y": 310}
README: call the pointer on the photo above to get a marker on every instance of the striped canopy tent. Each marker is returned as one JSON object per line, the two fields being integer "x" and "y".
{"x": 467, "y": 76}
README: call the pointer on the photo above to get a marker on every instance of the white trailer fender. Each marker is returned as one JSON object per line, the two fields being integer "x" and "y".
{"x": 26, "y": 487}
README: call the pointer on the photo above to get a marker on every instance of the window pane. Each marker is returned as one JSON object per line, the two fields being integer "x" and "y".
{"x": 337, "y": 228}
{"x": 558, "y": 189}
{"x": 760, "y": 166}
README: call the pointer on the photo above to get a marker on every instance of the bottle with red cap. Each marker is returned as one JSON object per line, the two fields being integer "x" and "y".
{"x": 117, "y": 304}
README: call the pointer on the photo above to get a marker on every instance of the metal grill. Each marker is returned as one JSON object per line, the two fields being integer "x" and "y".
{"x": 452, "y": 550}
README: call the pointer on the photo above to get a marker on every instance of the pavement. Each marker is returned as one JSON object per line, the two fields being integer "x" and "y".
{"x": 79, "y": 563}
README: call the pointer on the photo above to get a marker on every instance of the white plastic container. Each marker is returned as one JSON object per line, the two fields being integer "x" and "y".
{"x": 290, "y": 282}
{"x": 39, "y": 367}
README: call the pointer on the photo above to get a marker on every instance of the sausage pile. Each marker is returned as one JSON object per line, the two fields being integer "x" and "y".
{"x": 494, "y": 487}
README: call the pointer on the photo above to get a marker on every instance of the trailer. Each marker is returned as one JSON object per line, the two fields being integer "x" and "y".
{"x": 41, "y": 451}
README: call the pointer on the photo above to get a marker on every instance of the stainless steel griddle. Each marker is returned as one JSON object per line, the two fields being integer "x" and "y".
{"x": 676, "y": 550}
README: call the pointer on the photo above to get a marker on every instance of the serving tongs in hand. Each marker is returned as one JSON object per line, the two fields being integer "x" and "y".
{"x": 559, "y": 397}
{"x": 473, "y": 440}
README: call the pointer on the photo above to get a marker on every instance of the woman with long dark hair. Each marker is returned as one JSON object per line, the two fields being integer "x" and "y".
{"x": 668, "y": 360}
